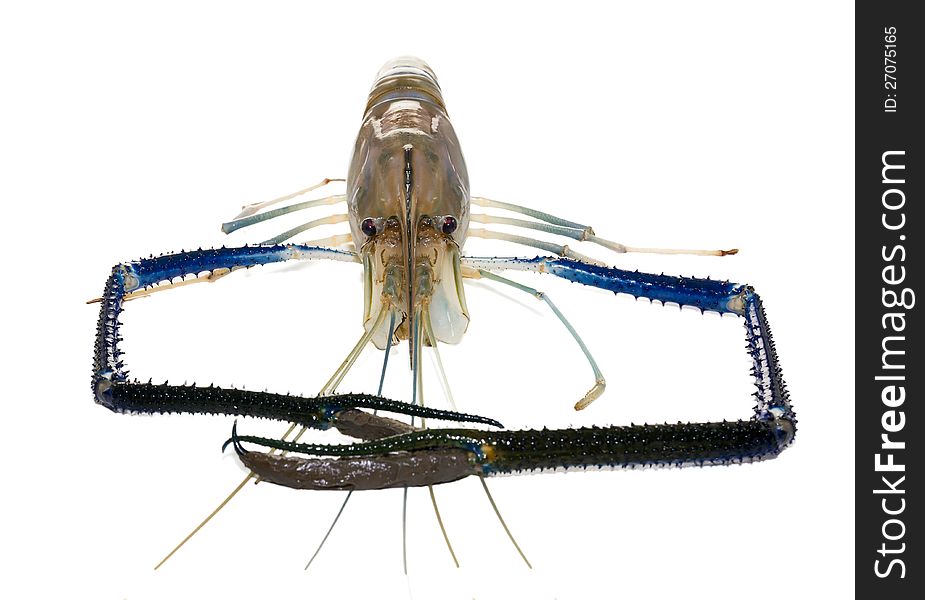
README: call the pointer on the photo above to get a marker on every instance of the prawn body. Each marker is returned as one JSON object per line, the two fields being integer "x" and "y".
{"x": 408, "y": 206}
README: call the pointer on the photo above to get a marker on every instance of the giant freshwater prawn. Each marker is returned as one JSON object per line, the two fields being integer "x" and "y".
{"x": 408, "y": 207}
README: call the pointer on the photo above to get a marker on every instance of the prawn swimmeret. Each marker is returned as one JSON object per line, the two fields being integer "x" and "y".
{"x": 408, "y": 208}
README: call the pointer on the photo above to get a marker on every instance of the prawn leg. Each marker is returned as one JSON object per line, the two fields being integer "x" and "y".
{"x": 558, "y": 226}
{"x": 769, "y": 431}
{"x": 507, "y": 452}
{"x": 113, "y": 388}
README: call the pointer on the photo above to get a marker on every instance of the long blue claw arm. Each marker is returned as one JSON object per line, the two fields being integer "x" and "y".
{"x": 113, "y": 388}
{"x": 770, "y": 430}
{"x": 705, "y": 294}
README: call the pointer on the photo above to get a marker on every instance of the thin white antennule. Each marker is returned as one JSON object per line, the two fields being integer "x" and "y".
{"x": 444, "y": 382}
{"x": 446, "y": 386}
{"x": 446, "y": 538}
{"x": 385, "y": 365}
{"x": 202, "y": 524}
{"x": 330, "y": 529}
{"x": 428, "y": 331}
{"x": 416, "y": 392}
{"x": 351, "y": 359}
{"x": 404, "y": 530}
{"x": 503, "y": 524}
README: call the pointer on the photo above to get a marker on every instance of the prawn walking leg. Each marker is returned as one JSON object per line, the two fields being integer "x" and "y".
{"x": 599, "y": 383}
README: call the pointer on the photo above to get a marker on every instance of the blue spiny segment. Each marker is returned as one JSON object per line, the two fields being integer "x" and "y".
{"x": 773, "y": 399}
{"x": 705, "y": 294}
{"x": 170, "y": 266}
{"x": 107, "y": 362}
{"x": 113, "y": 389}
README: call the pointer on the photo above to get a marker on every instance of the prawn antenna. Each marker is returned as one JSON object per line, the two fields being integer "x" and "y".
{"x": 445, "y": 383}
{"x": 385, "y": 366}
{"x": 426, "y": 329}
{"x": 510, "y": 535}
{"x": 388, "y": 348}
{"x": 417, "y": 397}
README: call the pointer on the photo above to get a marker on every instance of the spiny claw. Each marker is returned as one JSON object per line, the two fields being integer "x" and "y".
{"x": 235, "y": 441}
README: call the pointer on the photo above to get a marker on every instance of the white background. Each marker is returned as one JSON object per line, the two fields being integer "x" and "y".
{"x": 130, "y": 130}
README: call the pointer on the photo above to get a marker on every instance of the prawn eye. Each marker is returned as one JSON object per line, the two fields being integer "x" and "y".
{"x": 449, "y": 225}
{"x": 368, "y": 226}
